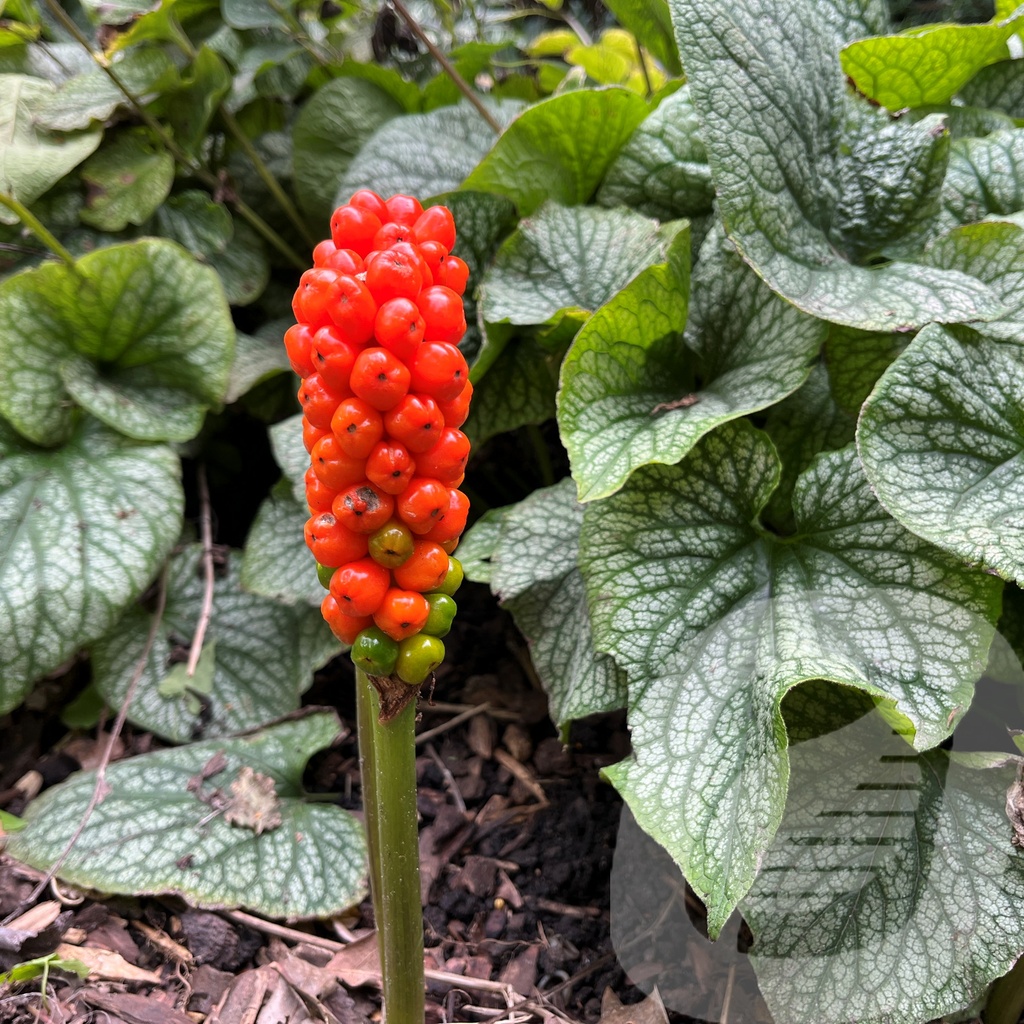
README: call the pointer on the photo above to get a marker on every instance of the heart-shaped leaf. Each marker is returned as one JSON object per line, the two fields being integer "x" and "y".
{"x": 163, "y": 827}
{"x": 138, "y": 334}
{"x": 85, "y": 528}
{"x": 265, "y": 655}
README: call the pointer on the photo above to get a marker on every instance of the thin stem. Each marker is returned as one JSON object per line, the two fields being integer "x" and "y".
{"x": 461, "y": 84}
{"x": 643, "y": 67}
{"x": 36, "y": 226}
{"x": 206, "y": 533}
{"x": 192, "y": 166}
{"x": 267, "y": 176}
{"x": 388, "y": 761}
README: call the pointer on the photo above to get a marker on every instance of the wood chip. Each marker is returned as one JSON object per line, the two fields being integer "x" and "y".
{"x": 650, "y": 1011}
{"x": 134, "y": 1009}
{"x": 521, "y": 973}
{"x": 107, "y": 965}
{"x": 37, "y": 918}
{"x": 522, "y": 773}
{"x": 174, "y": 951}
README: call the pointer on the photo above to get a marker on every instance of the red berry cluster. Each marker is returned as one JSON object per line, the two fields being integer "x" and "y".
{"x": 384, "y": 392}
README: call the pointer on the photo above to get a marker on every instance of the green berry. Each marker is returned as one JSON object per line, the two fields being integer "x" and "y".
{"x": 442, "y": 611}
{"x": 324, "y": 574}
{"x": 375, "y": 652}
{"x": 391, "y": 545}
{"x": 418, "y": 656}
{"x": 453, "y": 580}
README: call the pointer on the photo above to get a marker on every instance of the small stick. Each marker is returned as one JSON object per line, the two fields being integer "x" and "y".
{"x": 461, "y": 84}
{"x": 520, "y": 771}
{"x": 206, "y": 532}
{"x": 449, "y": 779}
{"x": 440, "y": 707}
{"x": 643, "y": 67}
{"x": 101, "y": 789}
{"x": 464, "y": 716}
{"x": 36, "y": 226}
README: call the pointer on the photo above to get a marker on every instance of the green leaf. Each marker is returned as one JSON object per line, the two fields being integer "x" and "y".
{"x": 518, "y": 389}
{"x": 257, "y": 358}
{"x": 853, "y": 19}
{"x": 92, "y": 96}
{"x": 479, "y": 542}
{"x": 714, "y": 620}
{"x": 32, "y": 159}
{"x": 985, "y": 177}
{"x": 290, "y": 452}
{"x": 126, "y": 180}
{"x": 163, "y": 23}
{"x": 277, "y": 564}
{"x": 328, "y": 133}
{"x": 137, "y": 334}
{"x": 190, "y": 108}
{"x": 116, "y": 12}
{"x": 942, "y": 441}
{"x": 892, "y": 891}
{"x": 157, "y": 833}
{"x": 778, "y": 171}
{"x": 855, "y": 360}
{"x": 628, "y": 386}
{"x": 404, "y": 154}
{"x": 559, "y": 148}
{"x": 564, "y": 259}
{"x": 997, "y": 87}
{"x": 10, "y": 822}
{"x": 258, "y": 13}
{"x": 662, "y": 170}
{"x": 649, "y": 21}
{"x": 116, "y": 508}
{"x": 264, "y": 658}
{"x": 532, "y": 569}
{"x": 925, "y": 65}
{"x": 27, "y": 970}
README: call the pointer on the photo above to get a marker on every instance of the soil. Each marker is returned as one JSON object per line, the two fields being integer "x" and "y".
{"x": 517, "y": 839}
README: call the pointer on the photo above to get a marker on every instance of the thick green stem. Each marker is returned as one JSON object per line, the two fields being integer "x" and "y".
{"x": 387, "y": 756}
{"x": 36, "y": 226}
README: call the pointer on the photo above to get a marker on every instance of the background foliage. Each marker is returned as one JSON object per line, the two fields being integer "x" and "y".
{"x": 748, "y": 415}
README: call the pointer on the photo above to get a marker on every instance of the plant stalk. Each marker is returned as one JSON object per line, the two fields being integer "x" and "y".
{"x": 1006, "y": 998}
{"x": 387, "y": 758}
{"x": 36, "y": 226}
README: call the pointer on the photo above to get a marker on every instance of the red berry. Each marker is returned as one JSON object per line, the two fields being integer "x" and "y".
{"x": 439, "y": 369}
{"x": 456, "y": 410}
{"x": 379, "y": 378}
{"x": 399, "y": 327}
{"x": 447, "y": 459}
{"x": 353, "y": 310}
{"x": 311, "y": 434}
{"x": 424, "y": 570}
{"x": 297, "y": 341}
{"x": 363, "y": 508}
{"x": 443, "y": 314}
{"x": 421, "y": 505}
{"x": 321, "y": 251}
{"x": 334, "y": 468}
{"x": 391, "y": 275}
{"x": 391, "y": 234}
{"x": 454, "y": 274}
{"x": 418, "y": 259}
{"x": 434, "y": 254}
{"x": 390, "y": 466}
{"x": 345, "y": 261}
{"x": 402, "y": 613}
{"x": 333, "y": 358}
{"x": 405, "y": 209}
{"x": 417, "y": 422}
{"x": 352, "y": 227}
{"x": 435, "y": 225}
{"x": 368, "y": 200}
{"x": 318, "y": 401}
{"x": 453, "y": 522}
{"x": 319, "y": 497}
{"x": 331, "y": 543}
{"x": 345, "y": 627}
{"x": 360, "y": 586}
{"x": 357, "y": 426}
{"x": 317, "y": 292}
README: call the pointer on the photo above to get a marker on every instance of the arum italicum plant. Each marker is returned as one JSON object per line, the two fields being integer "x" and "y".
{"x": 384, "y": 393}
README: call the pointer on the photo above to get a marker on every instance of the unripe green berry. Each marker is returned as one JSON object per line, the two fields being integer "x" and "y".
{"x": 442, "y": 611}
{"x": 418, "y": 656}
{"x": 375, "y": 652}
{"x": 453, "y": 580}
{"x": 324, "y": 574}
{"x": 391, "y": 545}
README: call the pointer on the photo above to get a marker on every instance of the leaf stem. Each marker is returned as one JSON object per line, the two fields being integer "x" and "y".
{"x": 206, "y": 532}
{"x": 643, "y": 67}
{"x": 449, "y": 69}
{"x": 387, "y": 755}
{"x": 192, "y": 166}
{"x": 36, "y": 226}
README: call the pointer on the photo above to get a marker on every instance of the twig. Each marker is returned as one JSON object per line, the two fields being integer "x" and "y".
{"x": 101, "y": 789}
{"x": 522, "y": 773}
{"x": 449, "y": 69}
{"x": 206, "y": 532}
{"x": 440, "y": 707}
{"x": 36, "y": 226}
{"x": 438, "y": 730}
{"x": 449, "y": 779}
{"x": 194, "y": 167}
